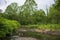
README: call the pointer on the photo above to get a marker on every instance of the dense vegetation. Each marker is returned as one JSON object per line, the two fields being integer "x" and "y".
{"x": 40, "y": 36}
{"x": 28, "y": 14}
{"x": 7, "y": 26}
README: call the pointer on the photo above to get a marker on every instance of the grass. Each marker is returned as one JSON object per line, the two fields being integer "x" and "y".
{"x": 44, "y": 26}
{"x": 39, "y": 36}
{"x": 50, "y": 26}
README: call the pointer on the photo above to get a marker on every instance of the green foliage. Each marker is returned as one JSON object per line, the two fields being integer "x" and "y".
{"x": 39, "y": 36}
{"x": 28, "y": 14}
{"x": 27, "y": 11}
{"x": 54, "y": 13}
{"x": 25, "y": 14}
{"x": 35, "y": 18}
{"x": 57, "y": 4}
{"x": 12, "y": 8}
{"x": 47, "y": 27}
{"x": 7, "y": 26}
{"x": 11, "y": 12}
{"x": 40, "y": 17}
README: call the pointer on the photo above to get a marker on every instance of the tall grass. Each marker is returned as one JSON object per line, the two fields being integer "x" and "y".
{"x": 44, "y": 26}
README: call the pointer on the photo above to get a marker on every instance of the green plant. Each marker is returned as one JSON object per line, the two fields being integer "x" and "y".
{"x": 7, "y": 26}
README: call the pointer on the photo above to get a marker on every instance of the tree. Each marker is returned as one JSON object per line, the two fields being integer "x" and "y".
{"x": 12, "y": 8}
{"x": 54, "y": 12}
{"x": 57, "y": 4}
{"x": 12, "y": 11}
{"x": 40, "y": 16}
{"x": 27, "y": 10}
{"x": 29, "y": 6}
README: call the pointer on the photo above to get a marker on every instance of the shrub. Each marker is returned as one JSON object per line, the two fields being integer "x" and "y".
{"x": 7, "y": 26}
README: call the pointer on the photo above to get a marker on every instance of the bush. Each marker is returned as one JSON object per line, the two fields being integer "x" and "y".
{"x": 50, "y": 26}
{"x": 7, "y": 26}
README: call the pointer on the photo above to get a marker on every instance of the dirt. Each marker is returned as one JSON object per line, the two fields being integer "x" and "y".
{"x": 49, "y": 32}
